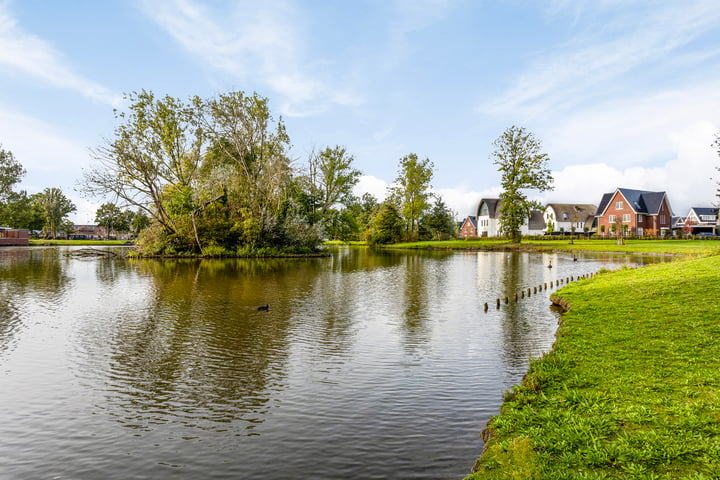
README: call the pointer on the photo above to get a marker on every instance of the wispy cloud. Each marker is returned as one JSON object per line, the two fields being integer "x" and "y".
{"x": 259, "y": 41}
{"x": 29, "y": 54}
{"x": 613, "y": 46}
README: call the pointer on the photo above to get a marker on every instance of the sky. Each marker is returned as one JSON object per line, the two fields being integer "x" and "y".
{"x": 621, "y": 93}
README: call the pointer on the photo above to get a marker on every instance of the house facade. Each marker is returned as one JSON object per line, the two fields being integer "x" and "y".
{"x": 87, "y": 232}
{"x": 700, "y": 220}
{"x": 634, "y": 212}
{"x": 469, "y": 227}
{"x": 12, "y": 236}
{"x": 564, "y": 217}
{"x": 488, "y": 220}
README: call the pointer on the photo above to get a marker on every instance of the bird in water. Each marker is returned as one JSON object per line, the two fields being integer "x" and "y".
{"x": 550, "y": 264}
{"x": 265, "y": 307}
{"x": 574, "y": 258}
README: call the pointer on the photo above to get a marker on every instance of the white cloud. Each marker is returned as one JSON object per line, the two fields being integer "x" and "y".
{"x": 688, "y": 178}
{"x": 258, "y": 41}
{"x": 589, "y": 65}
{"x": 464, "y": 202}
{"x": 31, "y": 55}
{"x": 375, "y": 186}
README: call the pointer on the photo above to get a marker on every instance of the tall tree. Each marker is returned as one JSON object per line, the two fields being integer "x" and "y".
{"x": 111, "y": 217}
{"x": 10, "y": 173}
{"x": 248, "y": 161}
{"x": 387, "y": 225}
{"x": 439, "y": 221}
{"x": 523, "y": 166}
{"x": 412, "y": 191}
{"x": 21, "y": 211}
{"x": 332, "y": 178}
{"x": 153, "y": 158}
{"x": 55, "y": 207}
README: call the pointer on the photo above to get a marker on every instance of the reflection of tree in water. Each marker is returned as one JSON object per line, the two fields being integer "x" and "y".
{"x": 201, "y": 351}
{"x": 28, "y": 276}
{"x": 416, "y": 290}
{"x": 515, "y": 315}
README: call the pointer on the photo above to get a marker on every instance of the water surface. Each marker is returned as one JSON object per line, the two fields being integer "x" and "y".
{"x": 367, "y": 365}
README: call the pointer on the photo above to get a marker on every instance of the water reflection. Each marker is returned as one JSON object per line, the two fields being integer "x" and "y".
{"x": 367, "y": 364}
{"x": 31, "y": 280}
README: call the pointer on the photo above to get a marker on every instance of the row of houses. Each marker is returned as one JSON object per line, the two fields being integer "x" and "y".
{"x": 625, "y": 211}
{"x": 13, "y": 236}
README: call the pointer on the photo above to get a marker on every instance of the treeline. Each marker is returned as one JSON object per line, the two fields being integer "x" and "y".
{"x": 215, "y": 177}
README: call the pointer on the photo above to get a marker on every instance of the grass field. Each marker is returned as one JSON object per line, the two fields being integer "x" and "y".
{"x": 78, "y": 242}
{"x": 677, "y": 247}
{"x": 631, "y": 388}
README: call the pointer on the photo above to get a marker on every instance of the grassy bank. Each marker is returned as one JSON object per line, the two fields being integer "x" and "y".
{"x": 631, "y": 388}
{"x": 108, "y": 243}
{"x": 675, "y": 247}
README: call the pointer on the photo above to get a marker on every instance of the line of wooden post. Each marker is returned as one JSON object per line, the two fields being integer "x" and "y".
{"x": 544, "y": 286}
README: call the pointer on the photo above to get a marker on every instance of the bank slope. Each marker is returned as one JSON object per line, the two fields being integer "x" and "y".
{"x": 631, "y": 388}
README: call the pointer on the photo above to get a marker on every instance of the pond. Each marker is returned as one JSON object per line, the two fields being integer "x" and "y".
{"x": 366, "y": 364}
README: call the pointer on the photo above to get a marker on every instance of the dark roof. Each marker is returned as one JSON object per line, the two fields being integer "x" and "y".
{"x": 493, "y": 205}
{"x": 473, "y": 220}
{"x": 705, "y": 211}
{"x": 536, "y": 221}
{"x": 640, "y": 201}
{"x": 582, "y": 210}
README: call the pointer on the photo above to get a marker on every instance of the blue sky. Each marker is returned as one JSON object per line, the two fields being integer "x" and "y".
{"x": 621, "y": 93}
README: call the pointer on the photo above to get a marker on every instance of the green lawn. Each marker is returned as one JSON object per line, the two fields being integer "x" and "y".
{"x": 678, "y": 247}
{"x": 78, "y": 242}
{"x": 631, "y": 388}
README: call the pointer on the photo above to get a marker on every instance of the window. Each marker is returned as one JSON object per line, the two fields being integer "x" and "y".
{"x": 662, "y": 218}
{"x": 618, "y": 205}
{"x": 626, "y": 218}
{"x": 611, "y": 219}
{"x": 564, "y": 216}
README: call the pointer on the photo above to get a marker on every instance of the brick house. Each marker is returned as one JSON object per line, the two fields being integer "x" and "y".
{"x": 469, "y": 227}
{"x": 636, "y": 212}
{"x": 12, "y": 236}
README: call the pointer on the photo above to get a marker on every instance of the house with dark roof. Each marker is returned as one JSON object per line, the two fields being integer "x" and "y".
{"x": 469, "y": 227}
{"x": 488, "y": 220}
{"x": 700, "y": 220}
{"x": 634, "y": 212}
{"x": 564, "y": 217}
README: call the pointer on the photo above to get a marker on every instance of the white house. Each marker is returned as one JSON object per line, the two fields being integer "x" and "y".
{"x": 564, "y": 216}
{"x": 701, "y": 220}
{"x": 488, "y": 222}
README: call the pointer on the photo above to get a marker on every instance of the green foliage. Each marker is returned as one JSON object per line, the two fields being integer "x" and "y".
{"x": 387, "y": 226}
{"x": 412, "y": 191}
{"x": 523, "y": 166}
{"x": 213, "y": 173}
{"x": 21, "y": 211}
{"x": 11, "y": 172}
{"x": 331, "y": 178}
{"x": 55, "y": 207}
{"x": 439, "y": 222}
{"x": 514, "y": 460}
{"x": 110, "y": 216}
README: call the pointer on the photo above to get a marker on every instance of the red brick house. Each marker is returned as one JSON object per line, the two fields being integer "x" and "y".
{"x": 12, "y": 236}
{"x": 469, "y": 227}
{"x": 635, "y": 212}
